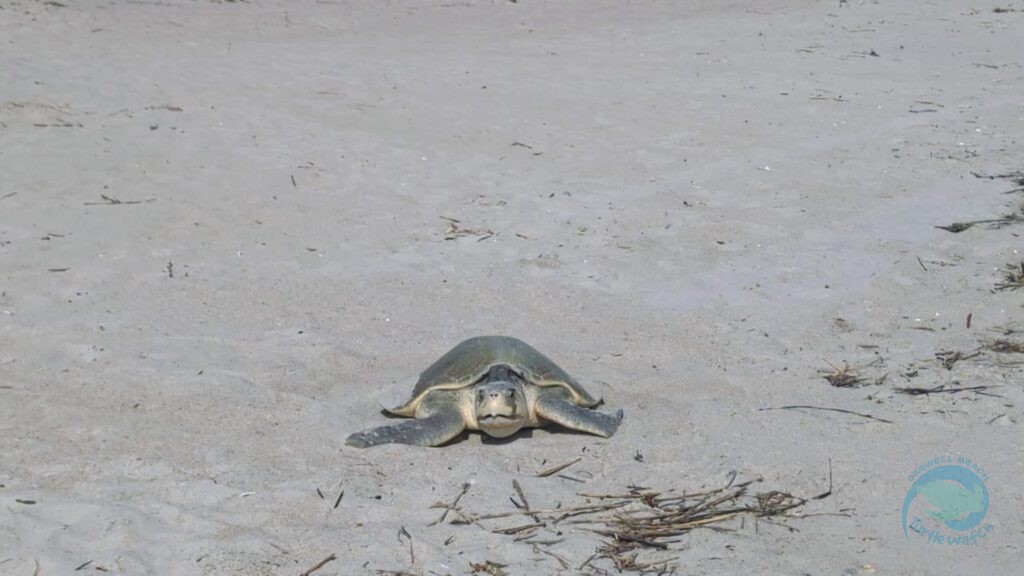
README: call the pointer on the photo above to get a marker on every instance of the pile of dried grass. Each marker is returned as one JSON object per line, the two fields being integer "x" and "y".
{"x": 636, "y": 525}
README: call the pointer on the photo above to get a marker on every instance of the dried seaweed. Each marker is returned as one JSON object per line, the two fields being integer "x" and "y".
{"x": 456, "y": 229}
{"x": 1005, "y": 346}
{"x": 488, "y": 567}
{"x": 843, "y": 376}
{"x": 639, "y": 529}
{"x": 1017, "y": 176}
{"x": 950, "y": 358}
{"x": 1013, "y": 277}
{"x": 943, "y": 389}
{"x": 993, "y": 223}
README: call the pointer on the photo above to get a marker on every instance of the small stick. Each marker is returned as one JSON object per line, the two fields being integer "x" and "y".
{"x": 969, "y": 314}
{"x": 412, "y": 552}
{"x": 919, "y": 261}
{"x": 828, "y": 492}
{"x": 941, "y": 389}
{"x": 957, "y": 227}
{"x": 568, "y": 511}
{"x": 522, "y": 497}
{"x": 830, "y": 410}
{"x": 518, "y": 529}
{"x": 111, "y": 201}
{"x": 561, "y": 559}
{"x": 527, "y": 535}
{"x": 338, "y": 501}
{"x": 548, "y": 542}
{"x": 556, "y": 469}
{"x": 465, "y": 488}
{"x": 319, "y": 565}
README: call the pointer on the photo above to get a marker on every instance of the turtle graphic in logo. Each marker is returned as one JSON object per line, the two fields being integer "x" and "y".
{"x": 954, "y": 495}
{"x": 952, "y": 500}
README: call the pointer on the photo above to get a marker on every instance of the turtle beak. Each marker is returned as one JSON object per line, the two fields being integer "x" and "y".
{"x": 498, "y": 408}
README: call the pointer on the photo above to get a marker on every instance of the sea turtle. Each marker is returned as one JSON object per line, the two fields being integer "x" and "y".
{"x": 496, "y": 384}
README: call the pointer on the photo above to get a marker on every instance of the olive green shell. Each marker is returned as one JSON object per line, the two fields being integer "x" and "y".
{"x": 470, "y": 361}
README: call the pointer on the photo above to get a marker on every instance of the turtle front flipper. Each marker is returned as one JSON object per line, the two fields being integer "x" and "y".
{"x": 432, "y": 430}
{"x": 565, "y": 413}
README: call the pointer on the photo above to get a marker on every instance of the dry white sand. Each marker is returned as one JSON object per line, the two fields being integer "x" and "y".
{"x": 711, "y": 201}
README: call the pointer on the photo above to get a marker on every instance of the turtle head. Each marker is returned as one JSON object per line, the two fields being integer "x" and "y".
{"x": 500, "y": 407}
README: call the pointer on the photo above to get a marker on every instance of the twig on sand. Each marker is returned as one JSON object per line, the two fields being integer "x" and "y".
{"x": 828, "y": 492}
{"x": 556, "y": 469}
{"x": 522, "y": 503}
{"x": 561, "y": 559}
{"x": 843, "y": 376}
{"x": 950, "y": 358}
{"x": 562, "y": 513}
{"x": 319, "y": 565}
{"x": 1017, "y": 176}
{"x": 1013, "y": 277}
{"x": 111, "y": 201}
{"x": 942, "y": 389}
{"x": 412, "y": 553}
{"x": 957, "y": 227}
{"x": 449, "y": 507}
{"x": 456, "y": 230}
{"x": 1005, "y": 346}
{"x": 488, "y": 567}
{"x": 841, "y": 410}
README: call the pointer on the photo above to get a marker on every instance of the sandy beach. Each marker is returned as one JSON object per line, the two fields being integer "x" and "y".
{"x": 784, "y": 237}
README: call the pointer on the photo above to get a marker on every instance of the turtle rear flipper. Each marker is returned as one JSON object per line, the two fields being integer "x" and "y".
{"x": 433, "y": 430}
{"x": 569, "y": 415}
